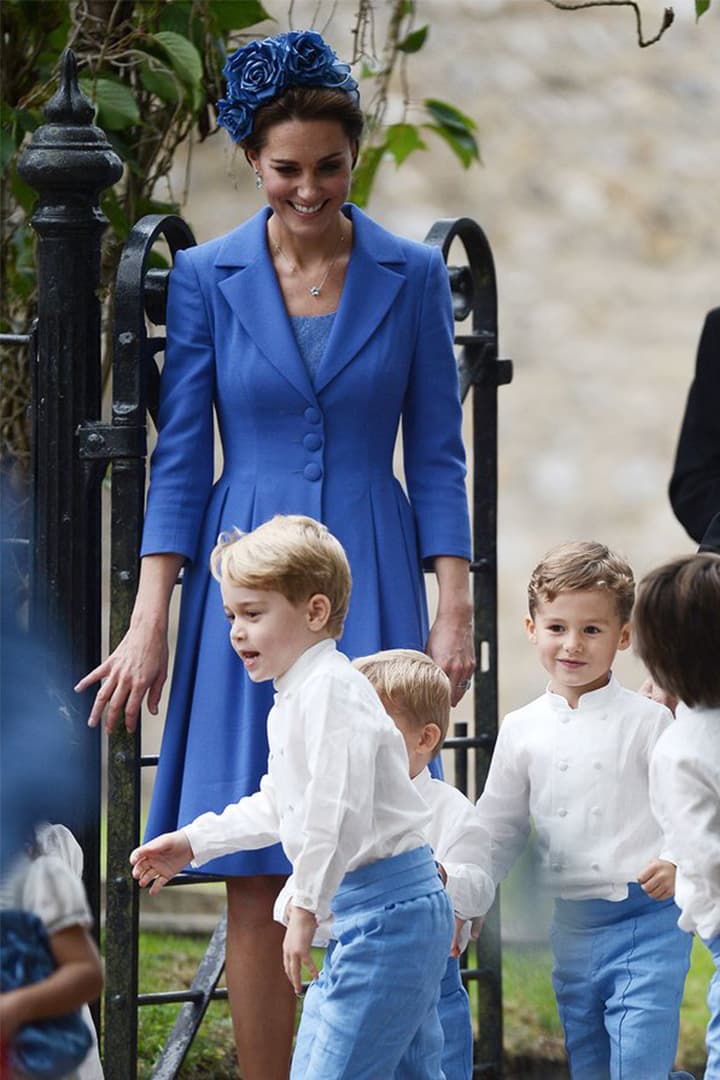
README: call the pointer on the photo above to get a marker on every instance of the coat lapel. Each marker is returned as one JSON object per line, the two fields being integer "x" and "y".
{"x": 371, "y": 286}
{"x": 374, "y": 278}
{"x": 254, "y": 297}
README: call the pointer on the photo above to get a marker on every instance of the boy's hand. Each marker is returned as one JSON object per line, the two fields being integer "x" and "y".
{"x": 296, "y": 946}
{"x": 160, "y": 859}
{"x": 658, "y": 879}
{"x": 454, "y": 945}
{"x": 476, "y": 927}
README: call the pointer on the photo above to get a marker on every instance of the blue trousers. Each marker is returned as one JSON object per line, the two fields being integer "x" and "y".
{"x": 712, "y": 1038}
{"x": 619, "y": 975}
{"x": 454, "y": 1013}
{"x": 372, "y": 1012}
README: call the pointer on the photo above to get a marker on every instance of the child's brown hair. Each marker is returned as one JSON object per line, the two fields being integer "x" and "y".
{"x": 582, "y": 564}
{"x": 676, "y": 628}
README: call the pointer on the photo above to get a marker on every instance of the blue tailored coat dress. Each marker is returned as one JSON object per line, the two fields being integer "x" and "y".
{"x": 289, "y": 446}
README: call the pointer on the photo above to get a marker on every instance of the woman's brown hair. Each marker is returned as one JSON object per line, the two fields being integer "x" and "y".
{"x": 306, "y": 103}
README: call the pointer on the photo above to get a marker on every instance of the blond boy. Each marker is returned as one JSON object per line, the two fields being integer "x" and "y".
{"x": 338, "y": 797}
{"x": 416, "y": 695}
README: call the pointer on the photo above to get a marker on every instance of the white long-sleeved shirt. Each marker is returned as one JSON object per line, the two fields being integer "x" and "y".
{"x": 685, "y": 798}
{"x": 337, "y": 793}
{"x": 582, "y": 776}
{"x": 458, "y": 841}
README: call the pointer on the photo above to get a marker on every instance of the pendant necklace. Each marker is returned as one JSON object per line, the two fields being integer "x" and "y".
{"x": 314, "y": 290}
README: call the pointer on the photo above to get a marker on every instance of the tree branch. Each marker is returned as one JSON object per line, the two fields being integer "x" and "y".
{"x": 668, "y": 15}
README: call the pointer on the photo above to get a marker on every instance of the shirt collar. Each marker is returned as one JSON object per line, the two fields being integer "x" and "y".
{"x": 423, "y": 780}
{"x": 593, "y": 699}
{"x": 306, "y": 661}
{"x": 684, "y": 711}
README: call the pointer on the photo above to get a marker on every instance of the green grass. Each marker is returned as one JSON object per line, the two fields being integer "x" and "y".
{"x": 532, "y": 1029}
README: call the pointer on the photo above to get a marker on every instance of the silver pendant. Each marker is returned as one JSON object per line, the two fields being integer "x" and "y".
{"x": 314, "y": 290}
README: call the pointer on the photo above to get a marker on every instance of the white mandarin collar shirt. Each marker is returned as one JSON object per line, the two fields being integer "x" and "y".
{"x": 458, "y": 841}
{"x": 685, "y": 795}
{"x": 582, "y": 776}
{"x": 337, "y": 792}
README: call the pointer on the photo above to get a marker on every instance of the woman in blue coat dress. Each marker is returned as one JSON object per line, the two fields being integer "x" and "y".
{"x": 311, "y": 333}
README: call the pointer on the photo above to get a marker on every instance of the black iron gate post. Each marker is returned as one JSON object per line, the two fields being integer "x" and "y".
{"x": 475, "y": 292}
{"x": 68, "y": 162}
{"x": 139, "y": 294}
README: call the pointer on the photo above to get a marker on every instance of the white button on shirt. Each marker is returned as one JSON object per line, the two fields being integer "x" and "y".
{"x": 685, "y": 795}
{"x": 337, "y": 793}
{"x": 582, "y": 776}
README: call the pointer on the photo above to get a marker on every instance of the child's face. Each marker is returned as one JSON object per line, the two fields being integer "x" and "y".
{"x": 577, "y": 635}
{"x": 268, "y": 632}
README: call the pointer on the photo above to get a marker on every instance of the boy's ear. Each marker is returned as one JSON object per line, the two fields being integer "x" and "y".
{"x": 319, "y": 610}
{"x": 429, "y": 738}
{"x": 530, "y": 629}
{"x": 625, "y": 637}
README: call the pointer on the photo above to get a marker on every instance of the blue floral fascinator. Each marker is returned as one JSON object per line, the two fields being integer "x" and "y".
{"x": 262, "y": 70}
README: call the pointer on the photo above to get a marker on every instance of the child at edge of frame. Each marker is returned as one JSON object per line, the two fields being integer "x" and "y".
{"x": 676, "y": 629}
{"x": 576, "y": 762}
{"x": 415, "y": 693}
{"x": 338, "y": 796}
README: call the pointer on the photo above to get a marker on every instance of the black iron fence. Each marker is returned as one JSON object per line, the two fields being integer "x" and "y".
{"x": 68, "y": 163}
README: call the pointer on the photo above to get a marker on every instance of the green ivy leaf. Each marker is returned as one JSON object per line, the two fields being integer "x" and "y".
{"x": 116, "y": 105}
{"x": 176, "y": 17}
{"x": 455, "y": 128}
{"x": 414, "y": 41}
{"x": 462, "y": 144}
{"x": 448, "y": 116}
{"x": 237, "y": 14}
{"x": 183, "y": 56}
{"x": 161, "y": 81}
{"x": 364, "y": 174}
{"x": 114, "y": 211}
{"x": 701, "y": 6}
{"x": 401, "y": 140}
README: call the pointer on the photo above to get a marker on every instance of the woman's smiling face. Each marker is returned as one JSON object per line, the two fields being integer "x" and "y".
{"x": 306, "y": 167}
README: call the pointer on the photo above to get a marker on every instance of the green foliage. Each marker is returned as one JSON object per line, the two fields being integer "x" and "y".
{"x": 701, "y": 6}
{"x": 533, "y": 1036}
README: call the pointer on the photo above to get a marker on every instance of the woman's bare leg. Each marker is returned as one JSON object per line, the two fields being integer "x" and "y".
{"x": 262, "y": 1002}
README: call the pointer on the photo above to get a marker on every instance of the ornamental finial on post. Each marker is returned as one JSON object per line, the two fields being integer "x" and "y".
{"x": 68, "y": 153}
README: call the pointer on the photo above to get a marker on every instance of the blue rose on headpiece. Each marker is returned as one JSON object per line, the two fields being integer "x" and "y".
{"x": 262, "y": 70}
{"x": 236, "y": 117}
{"x": 311, "y": 62}
{"x": 257, "y": 71}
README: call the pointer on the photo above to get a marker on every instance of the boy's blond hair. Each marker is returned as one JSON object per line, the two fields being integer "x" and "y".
{"x": 412, "y": 683}
{"x": 676, "y": 628}
{"x": 290, "y": 554}
{"x": 582, "y": 564}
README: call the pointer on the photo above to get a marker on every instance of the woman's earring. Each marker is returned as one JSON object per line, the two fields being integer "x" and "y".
{"x": 258, "y": 180}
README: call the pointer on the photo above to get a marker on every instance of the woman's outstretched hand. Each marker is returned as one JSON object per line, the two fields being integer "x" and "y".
{"x": 137, "y": 667}
{"x": 139, "y": 664}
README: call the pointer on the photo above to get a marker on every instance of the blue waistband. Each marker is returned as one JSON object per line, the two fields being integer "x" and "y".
{"x": 390, "y": 881}
{"x": 586, "y": 913}
{"x": 451, "y": 980}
